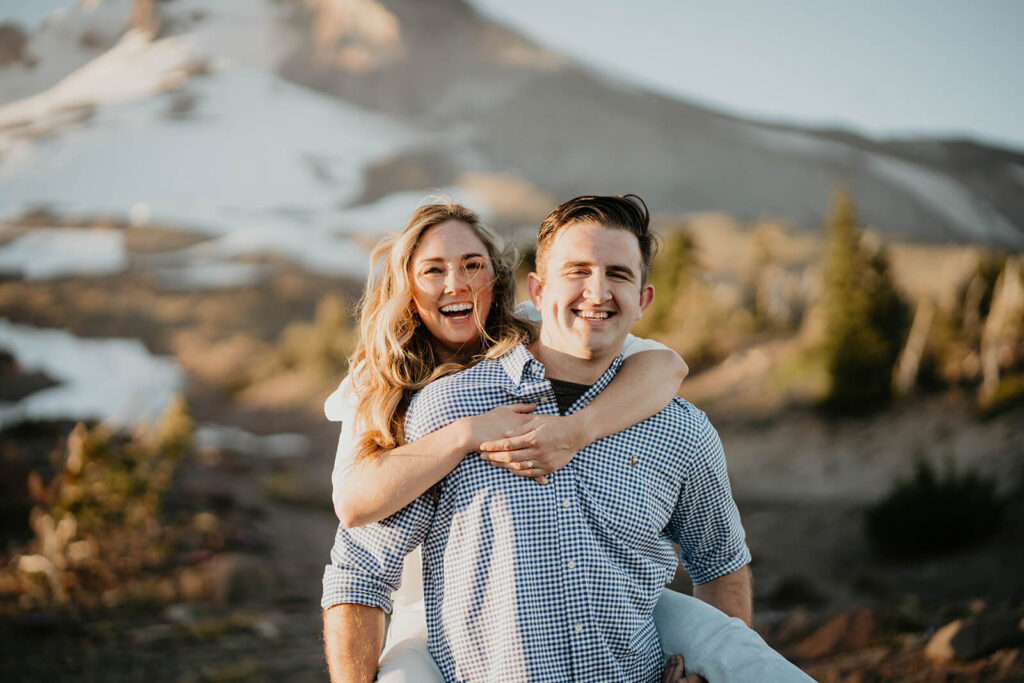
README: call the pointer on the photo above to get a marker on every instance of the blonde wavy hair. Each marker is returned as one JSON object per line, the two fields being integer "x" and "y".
{"x": 394, "y": 357}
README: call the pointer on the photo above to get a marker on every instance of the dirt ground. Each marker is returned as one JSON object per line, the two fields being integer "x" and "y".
{"x": 811, "y": 561}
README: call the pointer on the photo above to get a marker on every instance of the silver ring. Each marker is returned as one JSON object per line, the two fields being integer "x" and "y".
{"x": 529, "y": 464}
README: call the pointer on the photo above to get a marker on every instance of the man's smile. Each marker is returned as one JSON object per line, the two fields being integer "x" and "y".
{"x": 592, "y": 315}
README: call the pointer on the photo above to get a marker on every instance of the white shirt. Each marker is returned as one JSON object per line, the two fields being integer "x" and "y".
{"x": 341, "y": 407}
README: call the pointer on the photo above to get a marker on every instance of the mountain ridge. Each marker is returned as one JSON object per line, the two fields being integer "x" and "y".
{"x": 487, "y": 100}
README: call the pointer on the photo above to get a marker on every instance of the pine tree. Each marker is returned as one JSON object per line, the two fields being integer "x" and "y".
{"x": 670, "y": 274}
{"x": 866, "y": 319}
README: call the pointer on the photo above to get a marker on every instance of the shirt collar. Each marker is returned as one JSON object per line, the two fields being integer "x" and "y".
{"x": 519, "y": 364}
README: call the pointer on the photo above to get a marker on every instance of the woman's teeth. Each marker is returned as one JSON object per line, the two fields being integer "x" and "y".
{"x": 456, "y": 310}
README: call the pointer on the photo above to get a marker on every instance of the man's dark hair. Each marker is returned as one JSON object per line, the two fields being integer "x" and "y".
{"x": 622, "y": 212}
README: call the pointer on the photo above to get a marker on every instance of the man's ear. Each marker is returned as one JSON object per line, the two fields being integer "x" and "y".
{"x": 646, "y": 299}
{"x": 534, "y": 285}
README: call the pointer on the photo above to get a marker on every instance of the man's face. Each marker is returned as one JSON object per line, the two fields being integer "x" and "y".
{"x": 589, "y": 292}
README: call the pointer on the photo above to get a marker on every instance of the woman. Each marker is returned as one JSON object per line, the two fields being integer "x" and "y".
{"x": 444, "y": 299}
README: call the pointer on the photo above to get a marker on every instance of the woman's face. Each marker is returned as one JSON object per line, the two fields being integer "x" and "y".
{"x": 452, "y": 278}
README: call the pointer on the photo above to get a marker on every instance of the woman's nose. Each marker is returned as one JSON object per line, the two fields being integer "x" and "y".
{"x": 454, "y": 280}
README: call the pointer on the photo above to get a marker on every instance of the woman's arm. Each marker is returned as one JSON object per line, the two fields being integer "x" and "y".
{"x": 648, "y": 380}
{"x": 380, "y": 486}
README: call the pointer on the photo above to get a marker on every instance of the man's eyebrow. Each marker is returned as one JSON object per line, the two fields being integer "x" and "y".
{"x": 622, "y": 270}
{"x": 576, "y": 264}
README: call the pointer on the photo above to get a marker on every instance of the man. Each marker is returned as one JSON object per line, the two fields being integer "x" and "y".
{"x": 558, "y": 582}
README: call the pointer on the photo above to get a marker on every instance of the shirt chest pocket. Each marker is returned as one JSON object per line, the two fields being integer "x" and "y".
{"x": 627, "y": 497}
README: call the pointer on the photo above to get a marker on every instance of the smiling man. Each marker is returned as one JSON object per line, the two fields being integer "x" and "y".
{"x": 559, "y": 582}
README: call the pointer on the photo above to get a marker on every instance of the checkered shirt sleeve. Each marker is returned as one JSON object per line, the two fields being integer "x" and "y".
{"x": 366, "y": 561}
{"x": 706, "y": 523}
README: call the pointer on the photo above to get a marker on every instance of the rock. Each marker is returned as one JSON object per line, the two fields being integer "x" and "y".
{"x": 794, "y": 626}
{"x": 850, "y": 630}
{"x": 987, "y": 632}
{"x": 180, "y": 614}
{"x": 940, "y": 649}
{"x": 12, "y": 43}
{"x": 977, "y": 636}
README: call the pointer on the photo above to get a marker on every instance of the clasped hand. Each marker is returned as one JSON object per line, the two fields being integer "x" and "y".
{"x": 528, "y": 445}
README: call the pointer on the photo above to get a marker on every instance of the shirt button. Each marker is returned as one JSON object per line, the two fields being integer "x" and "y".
{"x": 566, "y": 504}
{"x": 579, "y": 627}
{"x": 572, "y": 564}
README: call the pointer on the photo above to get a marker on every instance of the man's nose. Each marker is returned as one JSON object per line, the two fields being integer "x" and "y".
{"x": 596, "y": 288}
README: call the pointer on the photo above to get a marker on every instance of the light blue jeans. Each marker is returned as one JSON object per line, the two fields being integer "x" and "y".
{"x": 721, "y": 649}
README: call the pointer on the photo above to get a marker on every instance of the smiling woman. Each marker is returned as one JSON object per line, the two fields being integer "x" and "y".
{"x": 451, "y": 287}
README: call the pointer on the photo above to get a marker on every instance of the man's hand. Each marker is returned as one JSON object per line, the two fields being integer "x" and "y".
{"x": 549, "y": 444}
{"x": 675, "y": 672}
{"x": 353, "y": 636}
{"x": 732, "y": 593}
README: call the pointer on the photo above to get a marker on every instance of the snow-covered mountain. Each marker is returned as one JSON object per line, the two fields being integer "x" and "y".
{"x": 299, "y": 126}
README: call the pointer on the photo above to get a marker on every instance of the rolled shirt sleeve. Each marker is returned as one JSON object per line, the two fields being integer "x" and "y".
{"x": 367, "y": 561}
{"x": 706, "y": 522}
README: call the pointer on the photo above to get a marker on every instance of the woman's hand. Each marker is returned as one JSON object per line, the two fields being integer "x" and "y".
{"x": 546, "y": 444}
{"x": 496, "y": 423}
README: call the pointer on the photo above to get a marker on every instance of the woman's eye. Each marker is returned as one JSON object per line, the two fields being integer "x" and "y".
{"x": 434, "y": 270}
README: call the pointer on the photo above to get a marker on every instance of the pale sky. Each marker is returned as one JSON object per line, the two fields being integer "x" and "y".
{"x": 882, "y": 68}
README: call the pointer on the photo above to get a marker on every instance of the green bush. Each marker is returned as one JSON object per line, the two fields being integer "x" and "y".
{"x": 933, "y": 513}
{"x": 99, "y": 533}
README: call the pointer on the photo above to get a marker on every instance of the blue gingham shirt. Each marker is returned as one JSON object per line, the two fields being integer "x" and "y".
{"x": 557, "y": 582}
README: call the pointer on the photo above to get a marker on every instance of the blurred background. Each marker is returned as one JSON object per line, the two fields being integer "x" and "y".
{"x": 188, "y": 192}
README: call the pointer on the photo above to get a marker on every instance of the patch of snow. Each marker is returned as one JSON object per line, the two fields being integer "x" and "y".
{"x": 256, "y": 156}
{"x": 319, "y": 252}
{"x": 132, "y": 69}
{"x": 252, "y": 33}
{"x": 934, "y": 190}
{"x": 116, "y": 381}
{"x": 229, "y": 438}
{"x": 949, "y": 199}
{"x": 54, "y": 253}
{"x": 66, "y": 40}
{"x": 205, "y": 274}
{"x": 792, "y": 142}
